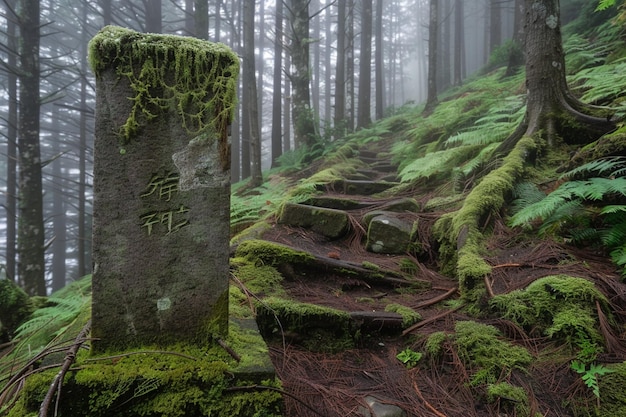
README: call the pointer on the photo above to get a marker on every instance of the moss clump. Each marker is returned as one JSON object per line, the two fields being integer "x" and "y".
{"x": 259, "y": 279}
{"x": 194, "y": 382}
{"x": 409, "y": 316}
{"x": 559, "y": 306}
{"x": 196, "y": 78}
{"x": 15, "y": 308}
{"x": 434, "y": 344}
{"x": 511, "y": 399}
{"x": 612, "y": 393}
{"x": 480, "y": 348}
{"x": 267, "y": 253}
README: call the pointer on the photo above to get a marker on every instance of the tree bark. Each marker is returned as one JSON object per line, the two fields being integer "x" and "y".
{"x": 201, "y": 19}
{"x": 31, "y": 266}
{"x": 459, "y": 43}
{"x": 340, "y": 77}
{"x": 12, "y": 121}
{"x": 249, "y": 75}
{"x": 302, "y": 114}
{"x": 433, "y": 21}
{"x": 378, "y": 60}
{"x": 277, "y": 134}
{"x": 365, "y": 66}
{"x": 153, "y": 16}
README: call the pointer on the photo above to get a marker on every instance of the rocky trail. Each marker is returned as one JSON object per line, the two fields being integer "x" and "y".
{"x": 370, "y": 254}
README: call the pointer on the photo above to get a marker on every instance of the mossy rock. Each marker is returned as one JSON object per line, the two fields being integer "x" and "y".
{"x": 269, "y": 253}
{"x": 330, "y": 223}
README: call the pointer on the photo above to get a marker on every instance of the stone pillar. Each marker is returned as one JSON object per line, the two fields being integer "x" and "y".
{"x": 161, "y": 188}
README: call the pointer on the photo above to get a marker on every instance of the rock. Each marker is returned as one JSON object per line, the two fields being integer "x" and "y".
{"x": 356, "y": 187}
{"x": 328, "y": 222}
{"x": 378, "y": 409}
{"x": 389, "y": 234}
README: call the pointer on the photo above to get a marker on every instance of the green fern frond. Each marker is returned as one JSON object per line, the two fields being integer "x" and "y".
{"x": 609, "y": 167}
{"x": 565, "y": 215}
{"x": 437, "y": 162}
{"x": 601, "y": 86}
{"x": 605, "y": 4}
{"x": 613, "y": 209}
{"x": 524, "y": 194}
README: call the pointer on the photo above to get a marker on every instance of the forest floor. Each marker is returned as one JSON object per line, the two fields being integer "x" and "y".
{"x": 336, "y": 383}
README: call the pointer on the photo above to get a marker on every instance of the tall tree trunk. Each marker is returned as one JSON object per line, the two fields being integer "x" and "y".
{"x": 107, "y": 15}
{"x": 218, "y": 20}
{"x": 12, "y": 121}
{"x": 304, "y": 124}
{"x": 339, "y": 118}
{"x": 551, "y": 107}
{"x": 84, "y": 232}
{"x": 189, "y": 18}
{"x": 380, "y": 84}
{"x": 516, "y": 56}
{"x": 249, "y": 76}
{"x": 328, "y": 65}
{"x": 495, "y": 25}
{"x": 350, "y": 91}
{"x": 316, "y": 67}
{"x": 433, "y": 21}
{"x": 287, "y": 125}
{"x": 365, "y": 66}
{"x": 459, "y": 42}
{"x": 31, "y": 266}
{"x": 277, "y": 134}
{"x": 59, "y": 224}
{"x": 201, "y": 19}
{"x": 154, "y": 19}
{"x": 445, "y": 49}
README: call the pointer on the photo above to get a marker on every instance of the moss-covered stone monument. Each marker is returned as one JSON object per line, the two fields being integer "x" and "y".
{"x": 161, "y": 188}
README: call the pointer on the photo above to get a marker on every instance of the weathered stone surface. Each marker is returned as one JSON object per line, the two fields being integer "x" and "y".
{"x": 337, "y": 203}
{"x": 402, "y": 205}
{"x": 376, "y": 408}
{"x": 355, "y": 187}
{"x": 328, "y": 222}
{"x": 161, "y": 188}
{"x": 387, "y": 233}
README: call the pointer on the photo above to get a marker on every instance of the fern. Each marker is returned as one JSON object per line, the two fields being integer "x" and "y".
{"x": 603, "y": 84}
{"x": 611, "y": 167}
{"x": 436, "y": 163}
{"x": 605, "y": 4}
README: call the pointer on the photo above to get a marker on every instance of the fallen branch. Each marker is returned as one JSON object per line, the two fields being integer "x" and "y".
{"x": 426, "y": 403}
{"x": 228, "y": 349}
{"x": 430, "y": 320}
{"x": 489, "y": 287}
{"x": 70, "y": 357}
{"x": 437, "y": 299}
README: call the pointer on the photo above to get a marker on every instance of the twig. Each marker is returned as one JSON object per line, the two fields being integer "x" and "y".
{"x": 510, "y": 265}
{"x": 228, "y": 349}
{"x": 70, "y": 356}
{"x": 426, "y": 403}
{"x": 437, "y": 299}
{"x": 489, "y": 287}
{"x": 430, "y": 320}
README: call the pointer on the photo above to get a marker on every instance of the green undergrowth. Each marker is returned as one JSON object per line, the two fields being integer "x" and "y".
{"x": 156, "y": 381}
{"x": 489, "y": 359}
{"x": 267, "y": 253}
{"x": 560, "y": 307}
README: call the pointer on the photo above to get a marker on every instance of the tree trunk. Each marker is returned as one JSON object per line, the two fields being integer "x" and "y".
{"x": 495, "y": 25}
{"x": 153, "y": 16}
{"x": 249, "y": 75}
{"x": 201, "y": 19}
{"x": 84, "y": 233}
{"x": 365, "y": 66}
{"x": 551, "y": 108}
{"x": 31, "y": 266}
{"x": 339, "y": 118}
{"x": 380, "y": 83}
{"x": 277, "y": 134}
{"x": 304, "y": 124}
{"x": 350, "y": 107}
{"x": 12, "y": 121}
{"x": 459, "y": 42}
{"x": 433, "y": 21}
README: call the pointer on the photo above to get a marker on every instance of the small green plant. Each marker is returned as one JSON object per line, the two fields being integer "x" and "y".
{"x": 590, "y": 375}
{"x": 409, "y": 357}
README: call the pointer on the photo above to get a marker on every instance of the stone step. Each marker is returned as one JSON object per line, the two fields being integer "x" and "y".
{"x": 328, "y": 222}
{"x": 338, "y": 203}
{"x": 358, "y": 187}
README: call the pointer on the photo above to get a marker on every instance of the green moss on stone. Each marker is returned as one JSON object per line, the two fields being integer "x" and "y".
{"x": 196, "y": 78}
{"x": 268, "y": 253}
{"x": 409, "y": 316}
{"x": 511, "y": 399}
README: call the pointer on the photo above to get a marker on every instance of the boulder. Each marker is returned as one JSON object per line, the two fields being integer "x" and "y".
{"x": 390, "y": 234}
{"x": 376, "y": 408}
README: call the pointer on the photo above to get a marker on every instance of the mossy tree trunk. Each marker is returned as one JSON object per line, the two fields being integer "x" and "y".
{"x": 551, "y": 107}
{"x": 304, "y": 125}
{"x": 30, "y": 234}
